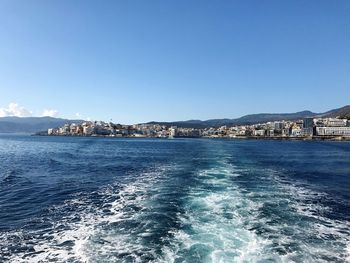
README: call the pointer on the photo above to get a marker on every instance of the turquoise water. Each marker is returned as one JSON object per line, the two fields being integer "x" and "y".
{"x": 68, "y": 199}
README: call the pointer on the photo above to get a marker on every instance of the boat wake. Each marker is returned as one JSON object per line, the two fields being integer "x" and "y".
{"x": 223, "y": 213}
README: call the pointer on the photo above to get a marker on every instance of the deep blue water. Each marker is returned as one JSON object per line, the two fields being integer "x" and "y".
{"x": 184, "y": 200}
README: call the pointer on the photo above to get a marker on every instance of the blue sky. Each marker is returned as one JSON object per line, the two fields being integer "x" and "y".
{"x": 136, "y": 61}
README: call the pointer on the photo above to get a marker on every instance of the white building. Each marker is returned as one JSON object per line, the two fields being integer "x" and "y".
{"x": 64, "y": 130}
{"x": 259, "y": 132}
{"x": 296, "y": 132}
{"x": 173, "y": 131}
{"x": 52, "y": 131}
{"x": 270, "y": 133}
{"x": 88, "y": 130}
{"x": 333, "y": 131}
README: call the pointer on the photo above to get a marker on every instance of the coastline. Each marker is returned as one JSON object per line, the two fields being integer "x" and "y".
{"x": 277, "y": 138}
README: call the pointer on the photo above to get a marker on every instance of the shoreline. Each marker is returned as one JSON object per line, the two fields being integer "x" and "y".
{"x": 313, "y": 138}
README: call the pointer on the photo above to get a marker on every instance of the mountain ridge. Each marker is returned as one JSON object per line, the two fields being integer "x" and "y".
{"x": 14, "y": 124}
{"x": 343, "y": 112}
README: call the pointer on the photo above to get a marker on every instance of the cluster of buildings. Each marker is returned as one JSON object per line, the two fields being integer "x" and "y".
{"x": 306, "y": 128}
{"x": 100, "y": 128}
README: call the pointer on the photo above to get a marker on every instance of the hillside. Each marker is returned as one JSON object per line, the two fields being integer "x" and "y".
{"x": 31, "y": 124}
{"x": 343, "y": 112}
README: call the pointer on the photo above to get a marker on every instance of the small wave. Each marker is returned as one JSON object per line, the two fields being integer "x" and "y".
{"x": 13, "y": 177}
{"x": 10, "y": 176}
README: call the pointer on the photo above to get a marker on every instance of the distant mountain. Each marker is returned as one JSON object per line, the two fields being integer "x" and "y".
{"x": 31, "y": 124}
{"x": 343, "y": 112}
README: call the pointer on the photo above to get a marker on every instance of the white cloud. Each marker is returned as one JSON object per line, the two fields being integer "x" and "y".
{"x": 15, "y": 110}
{"x": 78, "y": 115}
{"x": 50, "y": 113}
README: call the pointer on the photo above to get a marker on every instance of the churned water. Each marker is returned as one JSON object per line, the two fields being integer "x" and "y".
{"x": 65, "y": 199}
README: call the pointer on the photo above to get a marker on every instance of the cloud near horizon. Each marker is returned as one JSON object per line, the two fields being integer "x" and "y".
{"x": 50, "y": 113}
{"x": 14, "y": 109}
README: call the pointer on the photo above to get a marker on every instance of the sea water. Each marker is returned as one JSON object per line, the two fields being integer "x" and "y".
{"x": 74, "y": 199}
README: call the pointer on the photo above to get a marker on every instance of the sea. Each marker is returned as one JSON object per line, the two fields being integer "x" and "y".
{"x": 84, "y": 199}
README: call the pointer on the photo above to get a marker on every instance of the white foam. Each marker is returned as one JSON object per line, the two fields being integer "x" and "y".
{"x": 348, "y": 252}
{"x": 91, "y": 237}
{"x": 320, "y": 238}
{"x": 214, "y": 220}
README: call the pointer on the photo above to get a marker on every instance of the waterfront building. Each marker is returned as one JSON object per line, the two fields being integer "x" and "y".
{"x": 259, "y": 132}
{"x": 295, "y": 132}
{"x": 173, "y": 131}
{"x": 270, "y": 133}
{"x": 285, "y": 132}
{"x": 52, "y": 131}
{"x": 64, "y": 130}
{"x": 88, "y": 130}
{"x": 333, "y": 131}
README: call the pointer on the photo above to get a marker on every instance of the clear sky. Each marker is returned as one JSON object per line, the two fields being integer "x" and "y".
{"x": 136, "y": 61}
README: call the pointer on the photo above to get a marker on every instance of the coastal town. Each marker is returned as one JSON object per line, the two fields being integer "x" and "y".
{"x": 307, "y": 128}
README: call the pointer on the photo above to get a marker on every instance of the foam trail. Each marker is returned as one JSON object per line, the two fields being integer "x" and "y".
{"x": 213, "y": 227}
